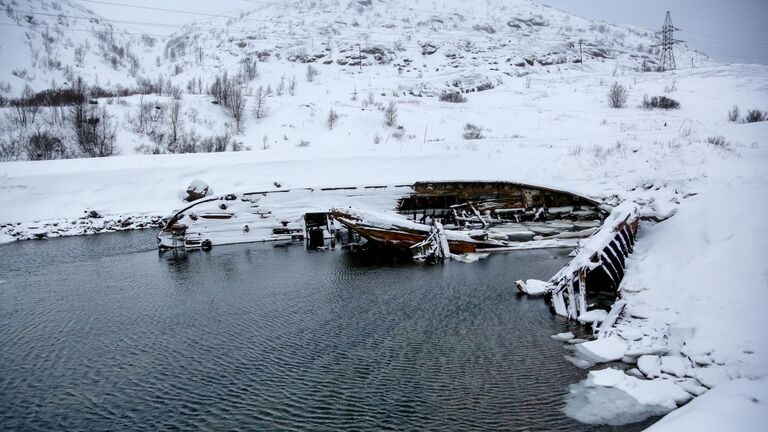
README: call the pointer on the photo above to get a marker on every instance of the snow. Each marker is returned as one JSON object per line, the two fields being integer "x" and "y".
{"x": 737, "y": 405}
{"x": 563, "y": 336}
{"x": 695, "y": 286}
{"x": 595, "y": 315}
{"x": 603, "y": 350}
{"x": 533, "y": 287}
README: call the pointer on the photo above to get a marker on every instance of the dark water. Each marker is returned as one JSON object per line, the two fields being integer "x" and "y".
{"x": 102, "y": 333}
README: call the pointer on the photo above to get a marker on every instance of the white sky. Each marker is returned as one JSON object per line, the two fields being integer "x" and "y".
{"x": 732, "y": 31}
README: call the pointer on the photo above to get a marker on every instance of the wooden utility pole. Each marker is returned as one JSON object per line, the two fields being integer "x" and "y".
{"x": 581, "y": 56}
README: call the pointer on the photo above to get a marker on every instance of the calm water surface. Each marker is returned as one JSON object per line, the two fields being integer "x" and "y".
{"x": 103, "y": 333}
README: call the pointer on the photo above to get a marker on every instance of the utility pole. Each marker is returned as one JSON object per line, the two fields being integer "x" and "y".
{"x": 667, "y": 61}
{"x": 581, "y": 56}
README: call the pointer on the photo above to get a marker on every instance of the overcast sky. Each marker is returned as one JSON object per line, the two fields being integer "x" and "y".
{"x": 732, "y": 31}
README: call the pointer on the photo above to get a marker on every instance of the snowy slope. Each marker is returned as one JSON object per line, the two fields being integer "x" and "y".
{"x": 46, "y": 44}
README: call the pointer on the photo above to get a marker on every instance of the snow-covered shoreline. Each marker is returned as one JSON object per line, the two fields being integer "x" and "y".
{"x": 696, "y": 282}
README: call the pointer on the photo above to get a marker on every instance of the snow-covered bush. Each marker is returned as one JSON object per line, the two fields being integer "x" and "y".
{"x": 453, "y": 97}
{"x": 390, "y": 114}
{"x": 260, "y": 103}
{"x": 332, "y": 119}
{"x": 311, "y": 73}
{"x": 617, "y": 95}
{"x": 755, "y": 115}
{"x": 661, "y": 102}
{"x": 472, "y": 132}
{"x": 718, "y": 141}
{"x": 94, "y": 130}
{"x": 43, "y": 145}
{"x": 734, "y": 114}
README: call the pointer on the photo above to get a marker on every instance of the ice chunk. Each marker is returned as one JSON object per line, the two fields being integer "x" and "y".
{"x": 610, "y": 396}
{"x": 603, "y": 350}
{"x": 673, "y": 365}
{"x": 692, "y": 386}
{"x": 533, "y": 287}
{"x": 563, "y": 336}
{"x": 596, "y": 315}
{"x": 631, "y": 334}
{"x": 650, "y": 365}
{"x": 710, "y": 376}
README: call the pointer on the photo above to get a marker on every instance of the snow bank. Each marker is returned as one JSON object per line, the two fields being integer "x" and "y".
{"x": 740, "y": 405}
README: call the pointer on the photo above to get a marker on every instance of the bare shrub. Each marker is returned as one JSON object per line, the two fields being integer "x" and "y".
{"x": 754, "y": 116}
{"x": 311, "y": 73}
{"x": 617, "y": 95}
{"x": 718, "y": 141}
{"x": 303, "y": 143}
{"x": 453, "y": 97}
{"x": 390, "y": 114}
{"x": 292, "y": 86}
{"x": 94, "y": 130}
{"x": 398, "y": 133}
{"x": 11, "y": 145}
{"x": 661, "y": 102}
{"x": 260, "y": 103}
{"x": 376, "y": 138}
{"x": 734, "y": 114}
{"x": 332, "y": 119}
{"x": 472, "y": 132}
{"x": 43, "y": 145}
{"x": 280, "y": 87}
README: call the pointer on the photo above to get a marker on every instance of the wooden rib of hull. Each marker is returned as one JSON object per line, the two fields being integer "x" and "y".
{"x": 403, "y": 240}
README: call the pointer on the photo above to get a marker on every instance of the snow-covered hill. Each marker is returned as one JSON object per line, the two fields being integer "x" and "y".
{"x": 48, "y": 43}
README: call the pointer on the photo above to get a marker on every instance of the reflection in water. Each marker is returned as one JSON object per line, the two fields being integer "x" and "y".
{"x": 102, "y": 333}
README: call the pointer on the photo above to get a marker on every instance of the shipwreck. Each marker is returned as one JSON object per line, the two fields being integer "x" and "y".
{"x": 430, "y": 222}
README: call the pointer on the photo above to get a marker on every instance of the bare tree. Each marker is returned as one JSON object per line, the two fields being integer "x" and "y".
{"x": 390, "y": 114}
{"x": 260, "y": 103}
{"x": 617, "y": 95}
{"x": 311, "y": 73}
{"x": 237, "y": 106}
{"x": 292, "y": 86}
{"x": 332, "y": 119}
{"x": 175, "y": 126}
